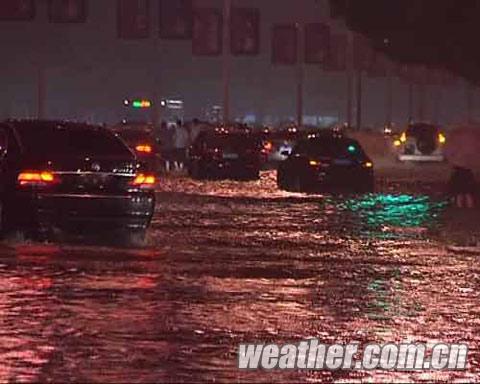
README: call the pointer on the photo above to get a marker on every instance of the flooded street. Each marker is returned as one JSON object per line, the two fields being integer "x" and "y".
{"x": 229, "y": 263}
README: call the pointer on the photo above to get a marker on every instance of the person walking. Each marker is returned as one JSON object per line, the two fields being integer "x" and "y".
{"x": 181, "y": 140}
{"x": 463, "y": 187}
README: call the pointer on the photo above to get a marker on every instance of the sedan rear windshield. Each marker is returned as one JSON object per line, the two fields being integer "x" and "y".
{"x": 422, "y": 130}
{"x": 75, "y": 140}
{"x": 335, "y": 148}
{"x": 132, "y": 135}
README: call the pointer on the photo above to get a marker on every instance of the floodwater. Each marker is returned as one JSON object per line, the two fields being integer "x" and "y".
{"x": 228, "y": 263}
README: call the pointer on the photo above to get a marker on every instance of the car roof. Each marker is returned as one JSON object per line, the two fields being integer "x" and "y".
{"x": 330, "y": 136}
{"x": 51, "y": 124}
{"x": 423, "y": 125}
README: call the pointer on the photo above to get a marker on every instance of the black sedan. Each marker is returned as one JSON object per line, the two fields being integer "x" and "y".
{"x": 71, "y": 176}
{"x": 224, "y": 154}
{"x": 326, "y": 163}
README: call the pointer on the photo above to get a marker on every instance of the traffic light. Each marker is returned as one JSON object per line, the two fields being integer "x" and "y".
{"x": 141, "y": 103}
{"x": 138, "y": 104}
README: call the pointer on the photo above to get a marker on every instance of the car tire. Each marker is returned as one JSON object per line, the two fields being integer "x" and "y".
{"x": 2, "y": 221}
{"x": 368, "y": 187}
{"x": 5, "y": 224}
{"x": 137, "y": 238}
{"x": 253, "y": 175}
{"x": 282, "y": 183}
{"x": 297, "y": 185}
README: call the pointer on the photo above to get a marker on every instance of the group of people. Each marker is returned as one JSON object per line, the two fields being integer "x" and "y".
{"x": 176, "y": 139}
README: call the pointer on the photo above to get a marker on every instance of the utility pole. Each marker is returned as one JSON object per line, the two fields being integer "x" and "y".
{"x": 227, "y": 11}
{"x": 300, "y": 75}
{"x": 410, "y": 101}
{"x": 389, "y": 114}
{"x": 470, "y": 102}
{"x": 350, "y": 77}
{"x": 437, "y": 105}
{"x": 41, "y": 91}
{"x": 422, "y": 102}
{"x": 155, "y": 96}
{"x": 359, "y": 99}
{"x": 389, "y": 98}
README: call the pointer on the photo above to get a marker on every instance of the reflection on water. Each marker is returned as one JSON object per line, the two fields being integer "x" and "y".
{"x": 394, "y": 215}
{"x": 222, "y": 269}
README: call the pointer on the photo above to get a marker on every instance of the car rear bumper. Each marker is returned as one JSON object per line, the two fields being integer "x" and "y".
{"x": 133, "y": 211}
{"x": 421, "y": 158}
{"x": 353, "y": 179}
{"x": 232, "y": 167}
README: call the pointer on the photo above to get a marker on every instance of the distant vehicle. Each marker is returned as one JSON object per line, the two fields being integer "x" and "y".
{"x": 141, "y": 139}
{"x": 420, "y": 142}
{"x": 276, "y": 145}
{"x": 326, "y": 162}
{"x": 223, "y": 154}
{"x": 71, "y": 176}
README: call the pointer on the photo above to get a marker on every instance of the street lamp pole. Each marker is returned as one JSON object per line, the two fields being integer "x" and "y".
{"x": 350, "y": 77}
{"x": 227, "y": 10}
{"x": 470, "y": 102}
{"x": 41, "y": 91}
{"x": 300, "y": 75}
{"x": 389, "y": 97}
{"x": 359, "y": 98}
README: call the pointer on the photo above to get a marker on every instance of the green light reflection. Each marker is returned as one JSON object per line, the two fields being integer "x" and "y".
{"x": 395, "y": 210}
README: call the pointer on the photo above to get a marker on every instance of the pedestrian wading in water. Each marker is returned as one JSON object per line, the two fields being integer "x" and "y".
{"x": 463, "y": 188}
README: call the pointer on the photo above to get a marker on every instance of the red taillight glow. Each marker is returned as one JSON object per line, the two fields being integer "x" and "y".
{"x": 268, "y": 146}
{"x": 144, "y": 181}
{"x": 144, "y": 148}
{"x": 36, "y": 178}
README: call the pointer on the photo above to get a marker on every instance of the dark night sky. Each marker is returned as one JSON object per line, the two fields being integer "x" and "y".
{"x": 437, "y": 32}
{"x": 89, "y": 71}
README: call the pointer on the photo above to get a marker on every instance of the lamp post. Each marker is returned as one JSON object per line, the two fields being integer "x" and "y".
{"x": 227, "y": 10}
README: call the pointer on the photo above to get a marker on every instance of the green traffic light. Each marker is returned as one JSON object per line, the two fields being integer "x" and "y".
{"x": 352, "y": 149}
{"x": 141, "y": 104}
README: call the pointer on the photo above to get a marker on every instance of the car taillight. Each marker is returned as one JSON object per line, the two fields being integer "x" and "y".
{"x": 144, "y": 181}
{"x": 267, "y": 147}
{"x": 34, "y": 178}
{"x": 144, "y": 148}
